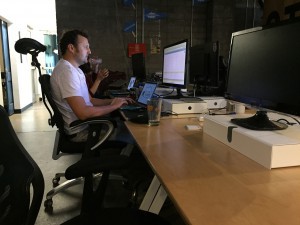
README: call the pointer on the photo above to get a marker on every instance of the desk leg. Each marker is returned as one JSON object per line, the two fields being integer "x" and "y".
{"x": 154, "y": 198}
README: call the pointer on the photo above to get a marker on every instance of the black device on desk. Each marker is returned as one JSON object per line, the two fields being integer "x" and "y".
{"x": 138, "y": 66}
{"x": 204, "y": 68}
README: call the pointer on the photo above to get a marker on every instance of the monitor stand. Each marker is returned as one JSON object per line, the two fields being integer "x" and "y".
{"x": 178, "y": 96}
{"x": 260, "y": 121}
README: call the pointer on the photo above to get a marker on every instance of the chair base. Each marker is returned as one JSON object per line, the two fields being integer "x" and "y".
{"x": 48, "y": 203}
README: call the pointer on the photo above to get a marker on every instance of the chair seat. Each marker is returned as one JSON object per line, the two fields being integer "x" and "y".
{"x": 118, "y": 216}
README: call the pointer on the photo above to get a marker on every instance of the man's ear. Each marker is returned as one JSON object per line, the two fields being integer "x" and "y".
{"x": 71, "y": 48}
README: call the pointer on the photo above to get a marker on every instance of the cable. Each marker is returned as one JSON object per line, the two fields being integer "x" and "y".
{"x": 295, "y": 119}
{"x": 286, "y": 121}
{"x": 168, "y": 93}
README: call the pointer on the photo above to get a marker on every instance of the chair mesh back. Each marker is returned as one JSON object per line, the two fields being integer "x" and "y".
{"x": 56, "y": 118}
{"x": 18, "y": 172}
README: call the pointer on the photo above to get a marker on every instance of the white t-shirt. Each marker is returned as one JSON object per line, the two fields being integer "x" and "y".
{"x": 67, "y": 81}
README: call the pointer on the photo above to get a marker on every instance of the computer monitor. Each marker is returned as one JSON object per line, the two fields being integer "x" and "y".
{"x": 204, "y": 67}
{"x": 198, "y": 67}
{"x": 174, "y": 72}
{"x": 212, "y": 63}
{"x": 263, "y": 72}
{"x": 138, "y": 66}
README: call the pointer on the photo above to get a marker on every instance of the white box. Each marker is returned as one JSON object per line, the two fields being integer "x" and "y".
{"x": 214, "y": 102}
{"x": 272, "y": 149}
{"x": 183, "y": 107}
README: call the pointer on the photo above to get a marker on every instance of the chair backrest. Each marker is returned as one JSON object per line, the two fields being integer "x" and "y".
{"x": 62, "y": 143}
{"x": 55, "y": 115}
{"x": 18, "y": 173}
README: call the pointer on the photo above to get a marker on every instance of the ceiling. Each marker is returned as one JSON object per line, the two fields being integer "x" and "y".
{"x": 38, "y": 14}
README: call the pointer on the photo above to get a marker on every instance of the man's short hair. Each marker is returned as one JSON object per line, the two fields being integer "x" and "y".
{"x": 70, "y": 37}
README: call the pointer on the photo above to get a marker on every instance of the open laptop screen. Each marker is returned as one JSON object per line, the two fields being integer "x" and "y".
{"x": 147, "y": 92}
{"x": 131, "y": 83}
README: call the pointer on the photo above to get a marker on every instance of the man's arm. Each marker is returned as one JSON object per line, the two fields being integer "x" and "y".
{"x": 100, "y": 102}
{"x": 101, "y": 75}
{"x": 104, "y": 101}
{"x": 82, "y": 111}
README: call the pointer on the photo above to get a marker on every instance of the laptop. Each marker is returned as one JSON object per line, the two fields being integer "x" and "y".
{"x": 126, "y": 91}
{"x": 139, "y": 109}
{"x": 146, "y": 93}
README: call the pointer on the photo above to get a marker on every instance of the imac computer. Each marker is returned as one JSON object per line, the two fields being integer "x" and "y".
{"x": 174, "y": 72}
{"x": 263, "y": 72}
{"x": 138, "y": 66}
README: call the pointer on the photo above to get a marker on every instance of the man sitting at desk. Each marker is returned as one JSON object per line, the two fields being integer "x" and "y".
{"x": 69, "y": 87}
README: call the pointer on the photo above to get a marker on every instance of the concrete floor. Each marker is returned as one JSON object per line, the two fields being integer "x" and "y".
{"x": 37, "y": 137}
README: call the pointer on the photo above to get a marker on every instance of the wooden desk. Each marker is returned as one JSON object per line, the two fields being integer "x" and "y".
{"x": 212, "y": 184}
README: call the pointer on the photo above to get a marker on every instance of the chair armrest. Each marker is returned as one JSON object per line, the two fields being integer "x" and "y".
{"x": 107, "y": 121}
{"x": 93, "y": 120}
{"x": 89, "y": 166}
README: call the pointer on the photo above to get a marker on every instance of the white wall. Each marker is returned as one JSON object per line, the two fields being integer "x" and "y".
{"x": 21, "y": 79}
{"x": 1, "y": 94}
{"x": 29, "y": 21}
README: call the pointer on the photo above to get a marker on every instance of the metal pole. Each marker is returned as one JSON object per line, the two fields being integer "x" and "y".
{"x": 136, "y": 23}
{"x": 143, "y": 21}
{"x": 246, "y": 16}
{"x": 253, "y": 21}
{"x": 192, "y": 20}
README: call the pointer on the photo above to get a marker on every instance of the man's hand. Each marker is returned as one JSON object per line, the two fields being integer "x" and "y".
{"x": 102, "y": 74}
{"x": 119, "y": 102}
{"x": 129, "y": 100}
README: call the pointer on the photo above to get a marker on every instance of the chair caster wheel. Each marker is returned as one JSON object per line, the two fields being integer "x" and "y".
{"x": 133, "y": 199}
{"x": 125, "y": 184}
{"x": 48, "y": 203}
{"x": 55, "y": 181}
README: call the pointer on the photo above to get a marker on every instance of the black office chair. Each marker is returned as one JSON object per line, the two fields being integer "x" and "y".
{"x": 22, "y": 186}
{"x": 63, "y": 145}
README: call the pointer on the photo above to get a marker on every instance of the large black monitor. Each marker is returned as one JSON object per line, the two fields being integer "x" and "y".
{"x": 264, "y": 72}
{"x": 198, "y": 66}
{"x": 174, "y": 72}
{"x": 204, "y": 64}
{"x": 138, "y": 66}
{"x": 204, "y": 68}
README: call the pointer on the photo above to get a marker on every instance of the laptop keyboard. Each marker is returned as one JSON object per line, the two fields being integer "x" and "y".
{"x": 133, "y": 106}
